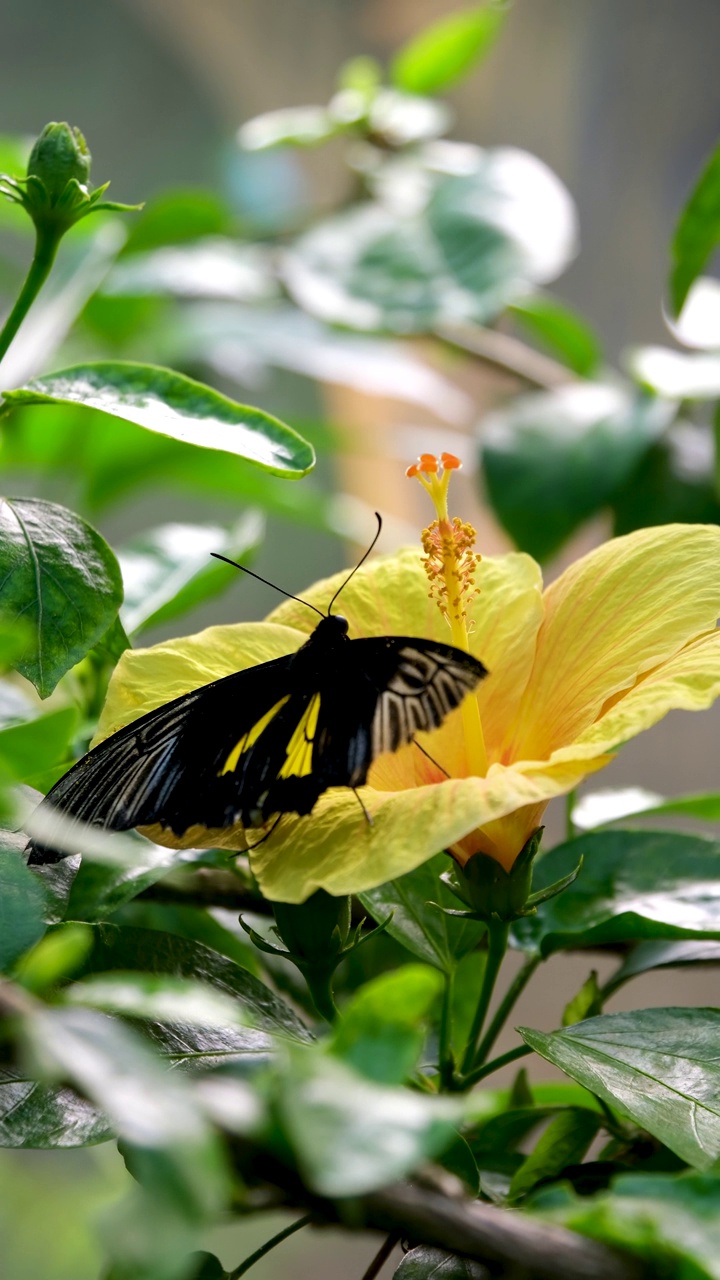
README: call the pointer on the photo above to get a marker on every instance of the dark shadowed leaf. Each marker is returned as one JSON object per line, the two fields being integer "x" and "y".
{"x": 553, "y": 459}
{"x": 565, "y": 1141}
{"x": 697, "y": 232}
{"x": 662, "y": 955}
{"x": 172, "y": 405}
{"x": 425, "y": 1262}
{"x": 427, "y": 932}
{"x": 22, "y": 905}
{"x": 100, "y": 888}
{"x": 634, "y": 885}
{"x": 657, "y": 1066}
{"x": 59, "y": 576}
{"x": 671, "y": 483}
{"x": 445, "y": 51}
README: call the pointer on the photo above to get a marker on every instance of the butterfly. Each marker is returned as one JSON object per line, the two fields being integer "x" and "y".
{"x": 267, "y": 740}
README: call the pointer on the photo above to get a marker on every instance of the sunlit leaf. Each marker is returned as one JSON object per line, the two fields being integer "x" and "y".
{"x": 445, "y": 51}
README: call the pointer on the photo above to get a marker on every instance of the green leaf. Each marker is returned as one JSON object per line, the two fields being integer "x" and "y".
{"x": 446, "y": 50}
{"x": 172, "y": 405}
{"x": 697, "y": 232}
{"x": 289, "y": 127}
{"x": 460, "y": 1161}
{"x": 100, "y": 888}
{"x": 158, "y": 998}
{"x": 22, "y": 906}
{"x": 151, "y": 1109}
{"x": 634, "y": 885}
{"x": 151, "y": 952}
{"x": 44, "y": 1116}
{"x": 479, "y": 243}
{"x": 427, "y": 932}
{"x": 55, "y": 957}
{"x": 671, "y": 484}
{"x": 380, "y": 1033}
{"x": 659, "y": 1067}
{"x": 677, "y": 375}
{"x": 58, "y": 574}
{"x": 169, "y": 570}
{"x": 177, "y": 217}
{"x": 613, "y": 804}
{"x": 209, "y": 268}
{"x": 29, "y": 750}
{"x": 351, "y": 1136}
{"x": 553, "y": 459}
{"x": 425, "y": 1262}
{"x": 585, "y": 1003}
{"x": 564, "y": 1142}
{"x": 647, "y": 956}
{"x": 214, "y": 930}
{"x": 560, "y": 329}
{"x": 671, "y": 1222}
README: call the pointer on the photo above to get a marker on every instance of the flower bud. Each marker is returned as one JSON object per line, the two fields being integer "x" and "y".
{"x": 60, "y": 155}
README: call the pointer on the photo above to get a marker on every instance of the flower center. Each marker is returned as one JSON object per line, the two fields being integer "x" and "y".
{"x": 450, "y": 563}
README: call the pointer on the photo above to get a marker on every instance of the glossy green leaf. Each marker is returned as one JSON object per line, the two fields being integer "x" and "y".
{"x": 480, "y": 241}
{"x": 659, "y": 1067}
{"x": 425, "y": 1262}
{"x": 671, "y": 484}
{"x": 151, "y": 1109}
{"x": 673, "y": 1223}
{"x": 213, "y": 928}
{"x": 59, "y": 575}
{"x": 57, "y": 881}
{"x": 427, "y": 932}
{"x": 22, "y": 906}
{"x": 151, "y": 952}
{"x": 156, "y": 997}
{"x": 168, "y": 570}
{"x": 29, "y": 750}
{"x": 553, "y": 459}
{"x": 42, "y": 1115}
{"x": 381, "y": 1032}
{"x": 634, "y": 885}
{"x": 697, "y": 232}
{"x": 172, "y": 405}
{"x": 647, "y": 956}
{"x": 561, "y": 330}
{"x": 448, "y": 49}
{"x": 100, "y": 888}
{"x": 678, "y": 375}
{"x": 351, "y": 1136}
{"x": 564, "y": 1142}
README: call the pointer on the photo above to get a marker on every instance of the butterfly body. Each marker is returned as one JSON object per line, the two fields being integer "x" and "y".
{"x": 269, "y": 739}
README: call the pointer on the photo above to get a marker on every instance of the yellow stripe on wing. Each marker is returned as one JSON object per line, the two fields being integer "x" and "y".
{"x": 248, "y": 739}
{"x": 298, "y": 763}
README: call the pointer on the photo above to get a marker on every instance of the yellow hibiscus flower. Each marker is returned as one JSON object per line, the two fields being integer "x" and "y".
{"x": 623, "y": 636}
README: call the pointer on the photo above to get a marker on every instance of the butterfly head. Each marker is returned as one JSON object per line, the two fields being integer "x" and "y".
{"x": 332, "y": 628}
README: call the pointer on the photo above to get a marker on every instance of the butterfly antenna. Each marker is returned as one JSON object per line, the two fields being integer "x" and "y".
{"x": 343, "y": 585}
{"x": 274, "y": 586}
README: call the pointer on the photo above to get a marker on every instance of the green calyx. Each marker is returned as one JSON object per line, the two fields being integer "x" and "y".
{"x": 489, "y": 891}
{"x": 56, "y": 191}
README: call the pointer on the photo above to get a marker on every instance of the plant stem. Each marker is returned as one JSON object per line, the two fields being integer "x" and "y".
{"x": 487, "y": 1069}
{"x": 517, "y": 986}
{"x": 570, "y": 828}
{"x": 497, "y": 946}
{"x": 45, "y": 250}
{"x": 268, "y": 1245}
{"x": 381, "y": 1256}
{"x": 446, "y": 1065}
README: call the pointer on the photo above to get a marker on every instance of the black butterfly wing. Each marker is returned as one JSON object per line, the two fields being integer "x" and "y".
{"x": 374, "y": 696}
{"x": 200, "y": 759}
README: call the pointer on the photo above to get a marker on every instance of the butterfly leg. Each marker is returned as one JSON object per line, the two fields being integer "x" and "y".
{"x": 430, "y": 758}
{"x": 266, "y": 836}
{"x": 368, "y": 816}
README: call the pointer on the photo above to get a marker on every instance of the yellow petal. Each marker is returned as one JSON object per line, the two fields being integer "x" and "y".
{"x": 148, "y": 678}
{"x": 617, "y": 613}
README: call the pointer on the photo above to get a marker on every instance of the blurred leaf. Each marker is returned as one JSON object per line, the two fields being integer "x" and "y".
{"x": 152, "y": 952}
{"x": 60, "y": 575}
{"x": 289, "y": 127}
{"x": 698, "y": 324}
{"x": 381, "y": 1033}
{"x": 697, "y": 232}
{"x": 560, "y": 329}
{"x": 585, "y": 1003}
{"x": 28, "y": 750}
{"x": 597, "y": 808}
{"x": 446, "y": 50}
{"x": 671, "y": 1222}
{"x": 444, "y": 249}
{"x": 399, "y": 119}
{"x": 553, "y": 459}
{"x": 158, "y": 998}
{"x": 14, "y": 155}
{"x": 647, "y": 956}
{"x": 351, "y": 1136}
{"x": 205, "y": 1266}
{"x": 55, "y": 957}
{"x": 672, "y": 483}
{"x": 101, "y": 887}
{"x": 565, "y": 1141}
{"x": 427, "y": 932}
{"x": 675, "y": 374}
{"x": 57, "y": 880}
{"x": 425, "y": 1262}
{"x": 208, "y": 268}
{"x": 168, "y": 570}
{"x": 176, "y": 217}
{"x": 42, "y": 1115}
{"x": 22, "y": 904}
{"x": 153, "y": 1110}
{"x": 659, "y": 1067}
{"x": 173, "y": 405}
{"x": 633, "y": 885}
{"x": 460, "y": 1161}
